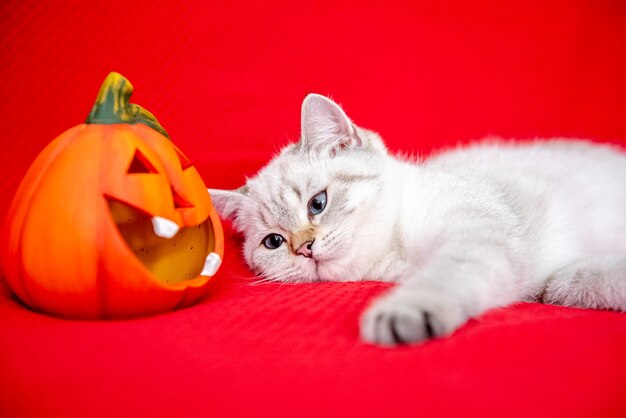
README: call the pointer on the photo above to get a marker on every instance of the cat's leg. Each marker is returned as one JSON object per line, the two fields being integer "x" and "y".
{"x": 598, "y": 282}
{"x": 462, "y": 282}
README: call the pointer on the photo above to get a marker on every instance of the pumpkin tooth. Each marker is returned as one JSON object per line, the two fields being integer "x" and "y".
{"x": 164, "y": 228}
{"x": 211, "y": 264}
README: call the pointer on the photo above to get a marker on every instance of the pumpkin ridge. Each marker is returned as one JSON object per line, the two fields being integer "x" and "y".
{"x": 100, "y": 284}
{"x": 26, "y": 202}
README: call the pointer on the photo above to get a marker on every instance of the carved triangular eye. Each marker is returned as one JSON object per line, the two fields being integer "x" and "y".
{"x": 179, "y": 202}
{"x": 140, "y": 164}
{"x": 184, "y": 161}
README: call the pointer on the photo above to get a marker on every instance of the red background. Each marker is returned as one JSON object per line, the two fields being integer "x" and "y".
{"x": 226, "y": 80}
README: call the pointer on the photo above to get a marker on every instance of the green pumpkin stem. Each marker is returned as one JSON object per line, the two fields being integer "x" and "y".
{"x": 112, "y": 105}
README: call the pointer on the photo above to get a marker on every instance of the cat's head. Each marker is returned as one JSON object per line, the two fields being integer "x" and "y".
{"x": 312, "y": 213}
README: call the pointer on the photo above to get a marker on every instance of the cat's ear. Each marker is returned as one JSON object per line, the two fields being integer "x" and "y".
{"x": 325, "y": 127}
{"x": 228, "y": 202}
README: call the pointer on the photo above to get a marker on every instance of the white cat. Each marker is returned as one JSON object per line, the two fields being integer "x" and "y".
{"x": 462, "y": 232}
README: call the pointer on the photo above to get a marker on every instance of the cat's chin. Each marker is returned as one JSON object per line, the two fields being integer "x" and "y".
{"x": 314, "y": 271}
{"x": 332, "y": 272}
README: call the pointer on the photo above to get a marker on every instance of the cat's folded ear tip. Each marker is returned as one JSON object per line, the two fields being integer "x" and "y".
{"x": 227, "y": 202}
{"x": 312, "y": 98}
{"x": 312, "y": 95}
{"x": 317, "y": 104}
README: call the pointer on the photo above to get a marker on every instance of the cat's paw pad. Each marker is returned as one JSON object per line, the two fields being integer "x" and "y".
{"x": 403, "y": 317}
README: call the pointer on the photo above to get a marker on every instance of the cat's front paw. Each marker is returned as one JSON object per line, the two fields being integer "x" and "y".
{"x": 408, "y": 316}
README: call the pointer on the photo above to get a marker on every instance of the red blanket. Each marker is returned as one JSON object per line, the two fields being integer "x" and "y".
{"x": 226, "y": 80}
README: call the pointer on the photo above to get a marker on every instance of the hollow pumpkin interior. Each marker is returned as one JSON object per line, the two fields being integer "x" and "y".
{"x": 170, "y": 260}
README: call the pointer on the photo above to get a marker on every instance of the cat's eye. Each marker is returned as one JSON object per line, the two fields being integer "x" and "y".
{"x": 273, "y": 241}
{"x": 317, "y": 203}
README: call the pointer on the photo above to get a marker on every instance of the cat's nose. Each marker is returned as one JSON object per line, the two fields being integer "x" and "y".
{"x": 306, "y": 249}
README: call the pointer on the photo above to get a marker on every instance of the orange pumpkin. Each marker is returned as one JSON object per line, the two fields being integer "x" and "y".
{"x": 111, "y": 220}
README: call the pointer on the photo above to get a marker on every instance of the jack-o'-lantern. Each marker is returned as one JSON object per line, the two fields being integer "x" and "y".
{"x": 111, "y": 220}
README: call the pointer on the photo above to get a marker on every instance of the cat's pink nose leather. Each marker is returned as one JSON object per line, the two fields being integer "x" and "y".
{"x": 306, "y": 249}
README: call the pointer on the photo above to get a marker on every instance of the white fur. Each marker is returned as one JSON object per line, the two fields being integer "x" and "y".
{"x": 465, "y": 231}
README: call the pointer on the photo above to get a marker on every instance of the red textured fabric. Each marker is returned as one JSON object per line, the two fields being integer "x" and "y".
{"x": 226, "y": 80}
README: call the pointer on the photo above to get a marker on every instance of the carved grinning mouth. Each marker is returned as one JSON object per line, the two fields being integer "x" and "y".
{"x": 170, "y": 253}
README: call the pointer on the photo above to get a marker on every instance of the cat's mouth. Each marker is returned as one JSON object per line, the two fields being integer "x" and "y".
{"x": 171, "y": 253}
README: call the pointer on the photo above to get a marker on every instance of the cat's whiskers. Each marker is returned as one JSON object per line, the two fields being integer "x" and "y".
{"x": 270, "y": 279}
{"x": 241, "y": 277}
{"x": 276, "y": 278}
